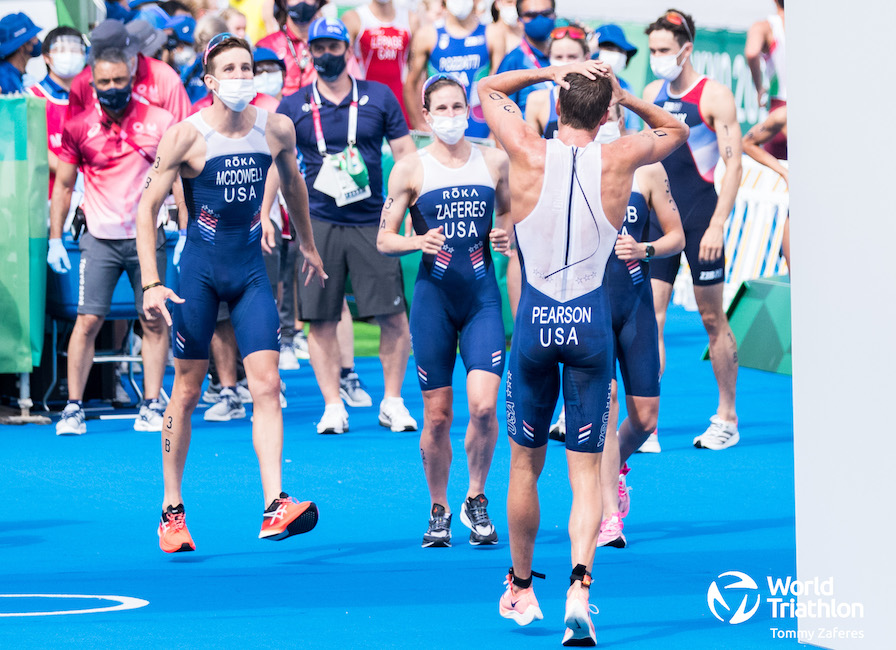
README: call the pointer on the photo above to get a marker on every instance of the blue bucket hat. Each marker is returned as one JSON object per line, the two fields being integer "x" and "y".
{"x": 613, "y": 35}
{"x": 183, "y": 27}
{"x": 15, "y": 31}
{"x": 328, "y": 28}
{"x": 263, "y": 54}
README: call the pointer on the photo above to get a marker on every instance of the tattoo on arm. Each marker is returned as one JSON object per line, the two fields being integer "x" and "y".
{"x": 148, "y": 181}
{"x": 728, "y": 152}
{"x": 389, "y": 202}
{"x": 660, "y": 134}
{"x": 158, "y": 162}
{"x": 383, "y": 224}
{"x": 497, "y": 96}
{"x": 167, "y": 445}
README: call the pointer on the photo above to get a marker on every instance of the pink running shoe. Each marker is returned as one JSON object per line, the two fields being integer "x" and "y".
{"x": 611, "y": 532}
{"x": 579, "y": 628}
{"x": 625, "y": 500}
{"x": 521, "y": 607}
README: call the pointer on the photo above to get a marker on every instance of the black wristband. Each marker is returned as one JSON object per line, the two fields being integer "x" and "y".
{"x": 157, "y": 283}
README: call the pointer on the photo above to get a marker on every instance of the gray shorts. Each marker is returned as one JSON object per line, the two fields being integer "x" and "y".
{"x": 102, "y": 261}
{"x": 349, "y": 253}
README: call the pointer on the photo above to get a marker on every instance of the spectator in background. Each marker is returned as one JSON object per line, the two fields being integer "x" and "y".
{"x": 147, "y": 39}
{"x": 175, "y": 8}
{"x": 119, "y": 11}
{"x": 192, "y": 76}
{"x": 18, "y": 45}
{"x": 152, "y": 13}
{"x": 153, "y": 81}
{"x": 259, "y": 16}
{"x": 461, "y": 46}
{"x": 353, "y": 118}
{"x": 180, "y": 42}
{"x": 504, "y": 15}
{"x": 236, "y": 22}
{"x": 65, "y": 55}
{"x": 381, "y": 34}
{"x": 614, "y": 49}
{"x": 431, "y": 12}
{"x": 538, "y": 18}
{"x": 765, "y": 41}
{"x": 114, "y": 157}
{"x": 290, "y": 42}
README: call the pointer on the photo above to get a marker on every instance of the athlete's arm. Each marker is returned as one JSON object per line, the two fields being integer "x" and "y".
{"x": 762, "y": 133}
{"x": 171, "y": 153}
{"x": 497, "y": 45}
{"x": 757, "y": 39}
{"x": 352, "y": 23}
{"x": 422, "y": 43}
{"x": 718, "y": 105}
{"x": 654, "y": 185}
{"x": 404, "y": 182}
{"x": 271, "y": 185}
{"x": 295, "y": 192}
{"x": 499, "y": 164}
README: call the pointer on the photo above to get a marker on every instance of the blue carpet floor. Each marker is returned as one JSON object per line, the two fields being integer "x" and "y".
{"x": 80, "y": 516}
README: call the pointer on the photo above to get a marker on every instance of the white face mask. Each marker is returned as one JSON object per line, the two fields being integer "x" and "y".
{"x": 236, "y": 93}
{"x": 608, "y": 132}
{"x": 509, "y": 15}
{"x": 460, "y": 9}
{"x": 184, "y": 57}
{"x": 66, "y": 65}
{"x": 616, "y": 60}
{"x": 666, "y": 67}
{"x": 449, "y": 130}
{"x": 269, "y": 83}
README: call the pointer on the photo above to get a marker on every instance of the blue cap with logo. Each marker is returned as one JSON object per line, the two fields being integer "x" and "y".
{"x": 613, "y": 35}
{"x": 15, "y": 31}
{"x": 328, "y": 28}
{"x": 183, "y": 27}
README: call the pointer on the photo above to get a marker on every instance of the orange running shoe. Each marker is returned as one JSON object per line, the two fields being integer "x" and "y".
{"x": 173, "y": 534}
{"x": 520, "y": 607}
{"x": 286, "y": 516}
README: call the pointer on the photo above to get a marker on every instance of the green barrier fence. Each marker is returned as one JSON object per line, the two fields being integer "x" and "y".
{"x": 24, "y": 178}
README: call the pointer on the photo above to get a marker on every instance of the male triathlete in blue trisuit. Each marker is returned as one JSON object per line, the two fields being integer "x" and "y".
{"x": 569, "y": 201}
{"x": 453, "y": 189}
{"x": 223, "y": 154}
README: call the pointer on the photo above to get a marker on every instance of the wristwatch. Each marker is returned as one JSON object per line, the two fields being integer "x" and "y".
{"x": 650, "y": 252}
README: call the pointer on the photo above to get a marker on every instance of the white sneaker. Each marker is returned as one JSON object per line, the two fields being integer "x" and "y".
{"x": 719, "y": 435}
{"x": 212, "y": 393}
{"x": 558, "y": 429}
{"x": 334, "y": 420}
{"x": 300, "y": 346}
{"x": 282, "y": 394}
{"x": 352, "y": 391}
{"x": 71, "y": 422}
{"x": 229, "y": 407}
{"x": 395, "y": 415}
{"x": 242, "y": 391}
{"x": 150, "y": 417}
{"x": 288, "y": 360}
{"x": 651, "y": 445}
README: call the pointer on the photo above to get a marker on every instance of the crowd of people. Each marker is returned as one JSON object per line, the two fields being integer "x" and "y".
{"x": 257, "y": 133}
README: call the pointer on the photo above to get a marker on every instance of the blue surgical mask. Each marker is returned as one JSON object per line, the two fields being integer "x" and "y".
{"x": 302, "y": 13}
{"x": 35, "y": 51}
{"x": 329, "y": 66}
{"x": 539, "y": 28}
{"x": 114, "y": 100}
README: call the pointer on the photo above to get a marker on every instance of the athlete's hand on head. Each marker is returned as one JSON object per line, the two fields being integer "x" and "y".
{"x": 591, "y": 69}
{"x": 268, "y": 238}
{"x": 154, "y": 302}
{"x": 312, "y": 265}
{"x": 433, "y": 240}
{"x": 500, "y": 241}
{"x": 712, "y": 244}
{"x": 627, "y": 248}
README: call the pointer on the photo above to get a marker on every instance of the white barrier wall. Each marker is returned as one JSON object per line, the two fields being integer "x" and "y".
{"x": 841, "y": 142}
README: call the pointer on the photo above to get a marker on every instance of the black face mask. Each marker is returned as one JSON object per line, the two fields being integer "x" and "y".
{"x": 35, "y": 49}
{"x": 302, "y": 13}
{"x": 114, "y": 100}
{"x": 329, "y": 66}
{"x": 171, "y": 43}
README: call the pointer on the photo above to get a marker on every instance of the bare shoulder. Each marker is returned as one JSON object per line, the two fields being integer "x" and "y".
{"x": 180, "y": 138}
{"x": 424, "y": 37}
{"x": 493, "y": 156}
{"x": 651, "y": 176}
{"x": 651, "y": 90}
{"x": 406, "y": 167}
{"x": 717, "y": 96}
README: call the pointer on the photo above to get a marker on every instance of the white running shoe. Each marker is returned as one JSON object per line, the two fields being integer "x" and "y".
{"x": 71, "y": 421}
{"x": 288, "y": 360}
{"x": 212, "y": 393}
{"x": 558, "y": 429}
{"x": 242, "y": 391}
{"x": 150, "y": 417}
{"x": 229, "y": 407}
{"x": 334, "y": 420}
{"x": 651, "y": 445}
{"x": 351, "y": 389}
{"x": 300, "y": 346}
{"x": 719, "y": 435}
{"x": 579, "y": 628}
{"x": 394, "y": 414}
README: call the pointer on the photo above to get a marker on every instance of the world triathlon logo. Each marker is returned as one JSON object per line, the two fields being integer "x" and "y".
{"x": 733, "y": 597}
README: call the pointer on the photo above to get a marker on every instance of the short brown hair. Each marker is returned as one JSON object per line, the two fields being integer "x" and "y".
{"x": 679, "y": 23}
{"x": 228, "y": 43}
{"x": 585, "y": 102}
{"x": 440, "y": 83}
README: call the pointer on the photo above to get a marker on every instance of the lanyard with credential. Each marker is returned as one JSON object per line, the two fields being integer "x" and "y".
{"x": 352, "y": 118}
{"x": 301, "y": 65}
{"x": 527, "y": 50}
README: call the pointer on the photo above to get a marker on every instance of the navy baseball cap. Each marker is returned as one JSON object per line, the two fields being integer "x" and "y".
{"x": 111, "y": 34}
{"x": 15, "y": 31}
{"x": 328, "y": 28}
{"x": 613, "y": 35}
{"x": 263, "y": 54}
{"x": 183, "y": 28}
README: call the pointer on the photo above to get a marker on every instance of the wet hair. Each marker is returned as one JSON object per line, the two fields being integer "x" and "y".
{"x": 683, "y": 32}
{"x": 229, "y": 43}
{"x": 438, "y": 85}
{"x": 56, "y": 34}
{"x": 585, "y": 102}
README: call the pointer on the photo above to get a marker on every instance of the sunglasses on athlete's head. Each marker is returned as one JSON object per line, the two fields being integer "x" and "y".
{"x": 212, "y": 44}
{"x": 568, "y": 31}
{"x": 674, "y": 18}
{"x": 531, "y": 15}
{"x": 443, "y": 75}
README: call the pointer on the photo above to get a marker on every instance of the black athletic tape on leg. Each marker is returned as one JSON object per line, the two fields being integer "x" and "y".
{"x": 580, "y": 573}
{"x": 524, "y": 584}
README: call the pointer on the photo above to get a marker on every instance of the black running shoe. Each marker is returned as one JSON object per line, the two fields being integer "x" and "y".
{"x": 474, "y": 516}
{"x": 438, "y": 535}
